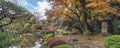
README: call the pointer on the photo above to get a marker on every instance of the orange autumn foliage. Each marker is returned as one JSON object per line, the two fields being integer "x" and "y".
{"x": 100, "y": 8}
{"x": 72, "y": 8}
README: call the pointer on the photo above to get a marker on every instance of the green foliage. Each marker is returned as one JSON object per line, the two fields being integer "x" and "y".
{"x": 59, "y": 46}
{"x": 14, "y": 27}
{"x": 76, "y": 26}
{"x": 48, "y": 36}
{"x": 44, "y": 47}
{"x": 68, "y": 22}
{"x": 32, "y": 19}
{"x": 96, "y": 26}
{"x": 63, "y": 32}
{"x": 8, "y": 43}
{"x": 63, "y": 46}
{"x": 37, "y": 26}
{"x": 112, "y": 42}
{"x": 26, "y": 25}
{"x": 116, "y": 26}
{"x": 6, "y": 40}
{"x": 4, "y": 21}
{"x": 27, "y": 30}
{"x": 7, "y": 18}
{"x": 29, "y": 18}
{"x": 66, "y": 33}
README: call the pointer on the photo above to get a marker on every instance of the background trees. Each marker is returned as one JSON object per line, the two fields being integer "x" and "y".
{"x": 85, "y": 13}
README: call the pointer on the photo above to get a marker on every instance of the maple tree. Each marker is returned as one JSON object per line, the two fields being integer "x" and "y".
{"x": 103, "y": 11}
{"x": 68, "y": 9}
{"x": 80, "y": 11}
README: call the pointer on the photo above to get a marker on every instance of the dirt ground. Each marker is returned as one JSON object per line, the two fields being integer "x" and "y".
{"x": 95, "y": 41}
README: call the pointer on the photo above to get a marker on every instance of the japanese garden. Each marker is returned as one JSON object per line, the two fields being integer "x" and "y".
{"x": 59, "y": 23}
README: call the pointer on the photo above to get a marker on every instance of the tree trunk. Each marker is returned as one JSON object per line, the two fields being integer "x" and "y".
{"x": 104, "y": 28}
{"x": 85, "y": 14}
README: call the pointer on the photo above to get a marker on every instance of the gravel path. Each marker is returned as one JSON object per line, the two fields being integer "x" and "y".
{"x": 83, "y": 42}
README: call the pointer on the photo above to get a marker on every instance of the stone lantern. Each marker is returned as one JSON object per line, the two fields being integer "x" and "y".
{"x": 105, "y": 20}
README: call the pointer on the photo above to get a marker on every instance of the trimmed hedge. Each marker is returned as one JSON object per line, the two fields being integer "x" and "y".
{"x": 44, "y": 47}
{"x": 48, "y": 36}
{"x": 59, "y": 46}
{"x": 54, "y": 41}
{"x": 112, "y": 41}
{"x": 63, "y": 46}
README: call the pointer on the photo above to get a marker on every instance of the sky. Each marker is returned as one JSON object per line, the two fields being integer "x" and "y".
{"x": 35, "y": 5}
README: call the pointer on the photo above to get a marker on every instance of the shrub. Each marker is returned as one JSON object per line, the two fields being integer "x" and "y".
{"x": 44, "y": 47}
{"x": 27, "y": 25}
{"x": 48, "y": 41}
{"x": 63, "y": 46}
{"x": 27, "y": 30}
{"x": 32, "y": 19}
{"x": 37, "y": 26}
{"x": 63, "y": 32}
{"x": 49, "y": 32}
{"x": 112, "y": 42}
{"x": 48, "y": 36}
{"x": 76, "y": 25}
{"x": 6, "y": 40}
{"x": 54, "y": 41}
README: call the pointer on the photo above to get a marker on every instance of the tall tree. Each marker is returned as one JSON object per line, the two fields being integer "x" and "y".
{"x": 81, "y": 11}
{"x": 72, "y": 9}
